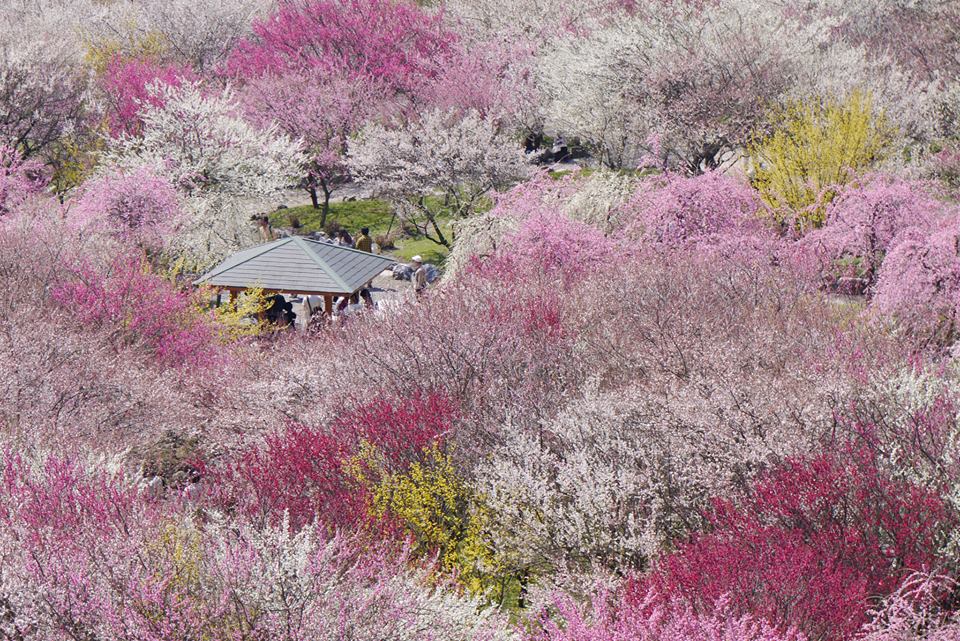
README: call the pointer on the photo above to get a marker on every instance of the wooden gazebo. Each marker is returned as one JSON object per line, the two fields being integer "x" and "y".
{"x": 297, "y": 266}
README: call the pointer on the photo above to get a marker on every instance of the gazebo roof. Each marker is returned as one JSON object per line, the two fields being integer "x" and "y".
{"x": 298, "y": 266}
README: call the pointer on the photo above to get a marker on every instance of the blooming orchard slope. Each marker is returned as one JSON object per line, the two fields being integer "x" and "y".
{"x": 687, "y": 371}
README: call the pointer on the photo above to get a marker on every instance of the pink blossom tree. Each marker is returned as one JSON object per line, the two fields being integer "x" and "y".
{"x": 919, "y": 281}
{"x": 385, "y": 42}
{"x": 322, "y": 68}
{"x": 129, "y": 85}
{"x": 137, "y": 205}
{"x": 323, "y": 110}
{"x": 863, "y": 223}
{"x": 19, "y": 179}
{"x": 710, "y": 209}
{"x": 606, "y": 619}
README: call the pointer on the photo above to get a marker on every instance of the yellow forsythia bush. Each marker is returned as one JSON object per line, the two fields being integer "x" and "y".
{"x": 814, "y": 147}
{"x": 73, "y": 160}
{"x": 239, "y": 317}
{"x": 176, "y": 557}
{"x": 444, "y": 516}
{"x": 142, "y": 46}
{"x": 242, "y": 315}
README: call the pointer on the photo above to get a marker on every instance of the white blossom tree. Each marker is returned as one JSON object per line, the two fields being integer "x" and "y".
{"x": 200, "y": 33}
{"x": 217, "y": 160}
{"x": 691, "y": 84}
{"x": 443, "y": 164}
{"x": 41, "y": 97}
{"x": 687, "y": 82}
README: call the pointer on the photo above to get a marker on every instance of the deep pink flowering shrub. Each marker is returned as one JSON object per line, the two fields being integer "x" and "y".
{"x": 128, "y": 85}
{"x": 709, "y": 209}
{"x": 812, "y": 544}
{"x": 862, "y": 223}
{"x": 919, "y": 282}
{"x": 390, "y": 43}
{"x": 138, "y": 206}
{"x": 19, "y": 179}
{"x": 298, "y": 472}
{"x": 400, "y": 429}
{"x": 301, "y": 473}
{"x": 141, "y": 307}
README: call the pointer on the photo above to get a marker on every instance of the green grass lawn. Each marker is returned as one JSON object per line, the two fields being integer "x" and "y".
{"x": 372, "y": 213}
{"x": 353, "y": 215}
{"x": 429, "y": 250}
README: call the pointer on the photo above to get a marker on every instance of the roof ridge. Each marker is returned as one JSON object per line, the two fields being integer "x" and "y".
{"x": 342, "y": 247}
{"x": 322, "y": 264}
{"x": 222, "y": 268}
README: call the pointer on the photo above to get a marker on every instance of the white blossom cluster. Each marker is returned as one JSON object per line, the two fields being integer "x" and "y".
{"x": 465, "y": 156}
{"x": 215, "y": 158}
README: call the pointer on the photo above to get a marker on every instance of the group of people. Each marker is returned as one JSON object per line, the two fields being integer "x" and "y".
{"x": 363, "y": 242}
{"x": 280, "y": 312}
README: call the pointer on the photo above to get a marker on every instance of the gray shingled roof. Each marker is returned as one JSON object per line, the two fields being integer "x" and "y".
{"x": 298, "y": 265}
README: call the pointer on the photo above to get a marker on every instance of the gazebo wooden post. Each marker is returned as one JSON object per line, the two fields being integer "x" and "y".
{"x": 328, "y": 305}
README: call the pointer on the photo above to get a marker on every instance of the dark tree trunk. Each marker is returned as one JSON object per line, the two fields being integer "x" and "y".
{"x": 326, "y": 202}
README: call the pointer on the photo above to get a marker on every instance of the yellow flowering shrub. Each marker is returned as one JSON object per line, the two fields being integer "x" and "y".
{"x": 442, "y": 513}
{"x": 73, "y": 160}
{"x": 814, "y": 147}
{"x": 176, "y": 555}
{"x": 149, "y": 46}
{"x": 242, "y": 315}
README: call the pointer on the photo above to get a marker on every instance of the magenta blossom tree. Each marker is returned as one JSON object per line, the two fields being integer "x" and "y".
{"x": 141, "y": 307}
{"x": 128, "y": 86}
{"x": 813, "y": 541}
